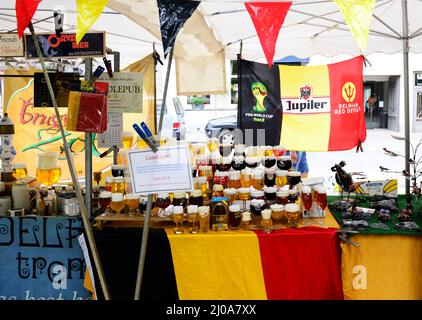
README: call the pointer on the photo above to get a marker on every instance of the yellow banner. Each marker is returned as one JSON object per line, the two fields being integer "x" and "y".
{"x": 358, "y": 16}
{"x": 36, "y": 129}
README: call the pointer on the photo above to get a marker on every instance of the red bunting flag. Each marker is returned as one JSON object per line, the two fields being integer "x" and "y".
{"x": 268, "y": 17}
{"x": 25, "y": 10}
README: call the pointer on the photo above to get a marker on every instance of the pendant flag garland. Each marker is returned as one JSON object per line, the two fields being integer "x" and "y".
{"x": 358, "y": 16}
{"x": 88, "y": 12}
{"x": 173, "y": 15}
{"x": 268, "y": 17}
{"x": 322, "y": 106}
{"x": 25, "y": 10}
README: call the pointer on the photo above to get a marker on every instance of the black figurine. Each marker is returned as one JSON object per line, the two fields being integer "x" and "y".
{"x": 344, "y": 179}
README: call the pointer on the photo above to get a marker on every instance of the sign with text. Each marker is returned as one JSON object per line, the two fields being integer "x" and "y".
{"x": 11, "y": 45}
{"x": 167, "y": 170}
{"x": 40, "y": 259}
{"x": 124, "y": 91}
{"x": 91, "y": 45}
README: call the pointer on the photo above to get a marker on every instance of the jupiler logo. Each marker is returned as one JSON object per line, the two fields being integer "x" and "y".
{"x": 306, "y": 103}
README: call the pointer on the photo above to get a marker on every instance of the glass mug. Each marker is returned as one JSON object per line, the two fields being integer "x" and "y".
{"x": 282, "y": 197}
{"x": 258, "y": 180}
{"x": 48, "y": 171}
{"x": 246, "y": 178}
{"x": 127, "y": 140}
{"x": 230, "y": 194}
{"x": 281, "y": 178}
{"x": 19, "y": 171}
{"x": 234, "y": 180}
{"x": 292, "y": 212}
{"x": 234, "y": 217}
{"x": 104, "y": 201}
{"x": 204, "y": 218}
{"x": 277, "y": 212}
{"x": 266, "y": 221}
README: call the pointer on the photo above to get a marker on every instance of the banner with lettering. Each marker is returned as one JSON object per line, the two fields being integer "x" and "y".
{"x": 36, "y": 129}
{"x": 322, "y": 106}
{"x": 40, "y": 259}
{"x": 11, "y": 45}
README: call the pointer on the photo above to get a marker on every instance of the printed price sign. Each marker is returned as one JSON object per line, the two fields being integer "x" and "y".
{"x": 167, "y": 170}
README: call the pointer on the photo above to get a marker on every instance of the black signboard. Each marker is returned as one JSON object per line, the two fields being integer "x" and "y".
{"x": 91, "y": 45}
{"x": 62, "y": 84}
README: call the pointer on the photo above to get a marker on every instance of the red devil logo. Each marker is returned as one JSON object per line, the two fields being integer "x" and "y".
{"x": 305, "y": 92}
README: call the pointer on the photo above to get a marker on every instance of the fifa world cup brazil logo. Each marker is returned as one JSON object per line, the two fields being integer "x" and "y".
{"x": 260, "y": 93}
{"x": 349, "y": 92}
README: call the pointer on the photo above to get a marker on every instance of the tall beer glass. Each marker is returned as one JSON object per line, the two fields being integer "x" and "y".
{"x": 48, "y": 171}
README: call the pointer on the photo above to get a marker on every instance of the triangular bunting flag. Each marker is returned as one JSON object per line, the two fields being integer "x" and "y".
{"x": 268, "y": 17}
{"x": 173, "y": 15}
{"x": 25, "y": 10}
{"x": 358, "y": 16}
{"x": 88, "y": 12}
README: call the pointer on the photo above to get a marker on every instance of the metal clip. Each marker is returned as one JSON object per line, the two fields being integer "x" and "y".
{"x": 344, "y": 235}
{"x": 58, "y": 22}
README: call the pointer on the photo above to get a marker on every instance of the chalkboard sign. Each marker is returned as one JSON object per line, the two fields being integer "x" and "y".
{"x": 62, "y": 84}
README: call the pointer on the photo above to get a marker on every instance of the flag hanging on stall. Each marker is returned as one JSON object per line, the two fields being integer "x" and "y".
{"x": 322, "y": 106}
{"x": 88, "y": 12}
{"x": 268, "y": 17}
{"x": 25, "y": 10}
{"x": 173, "y": 15}
{"x": 358, "y": 16}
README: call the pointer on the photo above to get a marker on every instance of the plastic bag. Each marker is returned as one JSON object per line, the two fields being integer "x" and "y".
{"x": 87, "y": 112}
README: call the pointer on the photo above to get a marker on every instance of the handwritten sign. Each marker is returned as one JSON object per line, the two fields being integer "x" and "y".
{"x": 11, "y": 45}
{"x": 167, "y": 170}
{"x": 124, "y": 91}
{"x": 40, "y": 259}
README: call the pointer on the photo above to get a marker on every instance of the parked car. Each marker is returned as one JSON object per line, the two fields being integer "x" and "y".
{"x": 225, "y": 129}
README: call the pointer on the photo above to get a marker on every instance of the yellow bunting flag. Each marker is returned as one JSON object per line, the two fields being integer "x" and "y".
{"x": 88, "y": 13}
{"x": 358, "y": 16}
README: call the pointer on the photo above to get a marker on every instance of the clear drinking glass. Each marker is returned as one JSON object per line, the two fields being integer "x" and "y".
{"x": 193, "y": 218}
{"x": 117, "y": 202}
{"x": 48, "y": 170}
{"x": 178, "y": 219}
{"x": 132, "y": 201}
{"x": 105, "y": 201}
{"x": 266, "y": 221}
{"x": 321, "y": 200}
{"x": 307, "y": 203}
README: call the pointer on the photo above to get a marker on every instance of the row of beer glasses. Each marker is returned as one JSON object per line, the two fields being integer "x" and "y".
{"x": 198, "y": 218}
{"x": 117, "y": 201}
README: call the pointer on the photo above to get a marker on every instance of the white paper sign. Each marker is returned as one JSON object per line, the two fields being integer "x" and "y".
{"x": 124, "y": 91}
{"x": 167, "y": 170}
{"x": 11, "y": 45}
{"x": 113, "y": 134}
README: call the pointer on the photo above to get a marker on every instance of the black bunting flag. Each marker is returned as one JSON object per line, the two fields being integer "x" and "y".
{"x": 173, "y": 15}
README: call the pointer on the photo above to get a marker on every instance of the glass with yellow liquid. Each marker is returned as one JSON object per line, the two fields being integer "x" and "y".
{"x": 212, "y": 144}
{"x": 117, "y": 202}
{"x": 245, "y": 178}
{"x": 19, "y": 171}
{"x": 118, "y": 185}
{"x": 48, "y": 171}
{"x": 281, "y": 178}
{"x": 178, "y": 219}
{"x": 258, "y": 180}
{"x": 132, "y": 201}
{"x": 198, "y": 149}
{"x": 127, "y": 140}
{"x": 193, "y": 218}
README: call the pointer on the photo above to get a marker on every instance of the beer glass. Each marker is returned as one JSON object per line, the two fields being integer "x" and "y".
{"x": 48, "y": 171}
{"x": 195, "y": 184}
{"x": 239, "y": 150}
{"x": 143, "y": 203}
{"x": 204, "y": 218}
{"x": 246, "y": 220}
{"x": 117, "y": 170}
{"x": 284, "y": 163}
{"x": 225, "y": 149}
{"x": 203, "y": 186}
{"x": 238, "y": 163}
{"x": 321, "y": 200}
{"x": 20, "y": 171}
{"x": 230, "y": 194}
{"x": 282, "y": 197}
{"x": 252, "y": 151}
{"x": 196, "y": 198}
{"x": 221, "y": 178}
{"x": 212, "y": 144}
{"x": 127, "y": 140}
{"x": 201, "y": 161}
{"x": 252, "y": 162}
{"x": 279, "y": 151}
{"x": 245, "y": 178}
{"x": 268, "y": 161}
{"x": 213, "y": 160}
{"x": 104, "y": 201}
{"x": 118, "y": 185}
{"x": 117, "y": 202}
{"x": 193, "y": 218}
{"x": 258, "y": 180}
{"x": 277, "y": 213}
{"x": 257, "y": 194}
{"x": 293, "y": 195}
{"x": 132, "y": 201}
{"x": 244, "y": 194}
{"x": 269, "y": 177}
{"x": 306, "y": 202}
{"x": 234, "y": 180}
{"x": 198, "y": 149}
{"x": 224, "y": 164}
{"x": 266, "y": 221}
{"x": 162, "y": 202}
{"x": 257, "y": 206}
{"x": 270, "y": 194}
{"x": 281, "y": 178}
{"x": 234, "y": 217}
{"x": 205, "y": 171}
{"x": 97, "y": 177}
{"x": 179, "y": 199}
{"x": 292, "y": 212}
{"x": 293, "y": 178}
{"x": 109, "y": 184}
{"x": 178, "y": 219}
